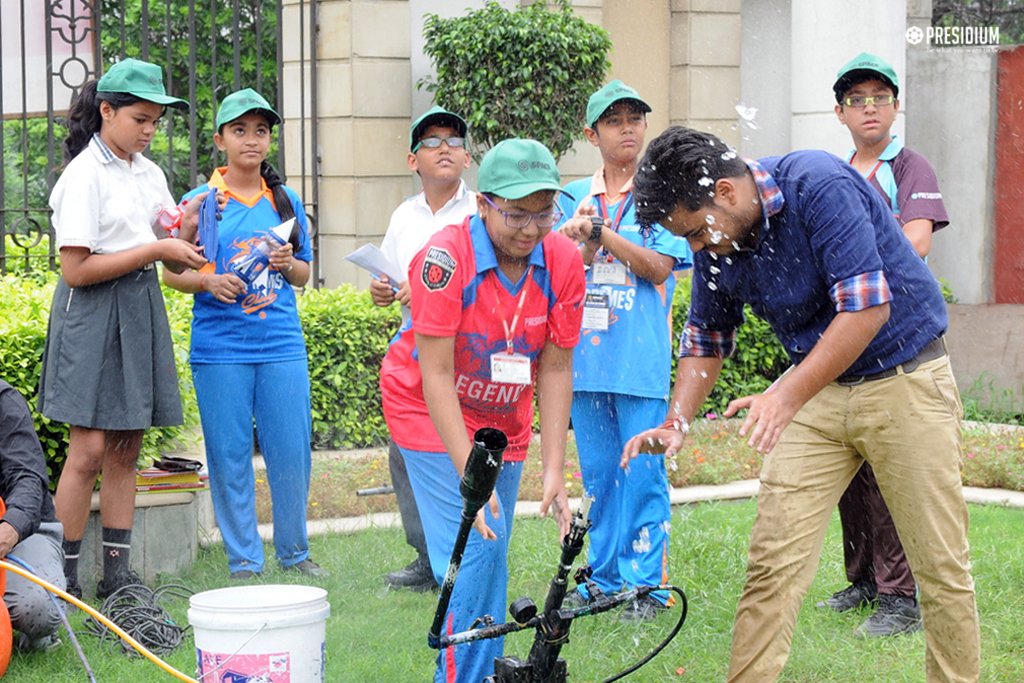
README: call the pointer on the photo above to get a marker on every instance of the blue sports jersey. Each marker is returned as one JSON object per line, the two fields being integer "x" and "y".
{"x": 262, "y": 326}
{"x": 633, "y": 356}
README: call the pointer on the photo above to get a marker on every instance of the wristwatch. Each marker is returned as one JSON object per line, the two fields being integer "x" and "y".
{"x": 596, "y": 225}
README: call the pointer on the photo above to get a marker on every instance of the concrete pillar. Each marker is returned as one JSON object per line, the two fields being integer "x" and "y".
{"x": 705, "y": 66}
{"x": 824, "y": 36}
{"x": 583, "y": 159}
{"x": 363, "y": 114}
{"x": 765, "y": 73}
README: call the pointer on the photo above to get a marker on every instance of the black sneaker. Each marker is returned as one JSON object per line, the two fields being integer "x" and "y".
{"x": 895, "y": 616}
{"x": 309, "y": 568}
{"x": 105, "y": 588}
{"x": 644, "y": 608}
{"x": 854, "y": 596}
{"x": 417, "y": 576}
{"x": 74, "y": 589}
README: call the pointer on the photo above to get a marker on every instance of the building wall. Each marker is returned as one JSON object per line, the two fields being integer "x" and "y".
{"x": 959, "y": 143}
{"x": 695, "y": 61}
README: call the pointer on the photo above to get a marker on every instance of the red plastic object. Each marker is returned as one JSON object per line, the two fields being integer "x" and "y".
{"x": 6, "y": 634}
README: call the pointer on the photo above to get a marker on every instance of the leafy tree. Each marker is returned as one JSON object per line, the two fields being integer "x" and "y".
{"x": 521, "y": 73}
{"x": 1008, "y": 15}
{"x": 198, "y": 43}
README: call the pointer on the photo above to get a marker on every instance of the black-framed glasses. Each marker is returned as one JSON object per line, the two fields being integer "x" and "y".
{"x": 861, "y": 101}
{"x": 518, "y": 220}
{"x": 435, "y": 142}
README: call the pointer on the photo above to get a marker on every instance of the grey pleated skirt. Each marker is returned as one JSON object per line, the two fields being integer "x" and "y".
{"x": 109, "y": 362}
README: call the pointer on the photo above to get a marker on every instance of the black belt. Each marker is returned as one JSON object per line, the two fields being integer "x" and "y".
{"x": 936, "y": 348}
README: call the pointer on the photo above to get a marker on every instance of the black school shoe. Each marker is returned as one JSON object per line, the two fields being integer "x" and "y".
{"x": 417, "y": 576}
{"x": 244, "y": 575}
{"x": 107, "y": 587}
{"x": 308, "y": 568}
{"x": 854, "y": 596}
{"x": 895, "y": 616}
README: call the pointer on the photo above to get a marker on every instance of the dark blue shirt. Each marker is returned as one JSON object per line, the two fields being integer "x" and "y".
{"x": 832, "y": 234}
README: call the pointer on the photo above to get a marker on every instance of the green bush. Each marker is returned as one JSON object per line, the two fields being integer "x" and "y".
{"x": 346, "y": 337}
{"x": 517, "y": 73}
{"x": 24, "y": 311}
{"x": 759, "y": 358}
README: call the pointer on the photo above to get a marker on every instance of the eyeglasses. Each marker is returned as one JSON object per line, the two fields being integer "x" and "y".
{"x": 518, "y": 220}
{"x": 434, "y": 143}
{"x": 859, "y": 101}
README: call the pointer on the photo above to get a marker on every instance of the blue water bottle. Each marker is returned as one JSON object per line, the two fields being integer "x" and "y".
{"x": 249, "y": 267}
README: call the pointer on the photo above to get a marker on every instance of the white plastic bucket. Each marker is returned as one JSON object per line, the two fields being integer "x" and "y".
{"x": 260, "y": 634}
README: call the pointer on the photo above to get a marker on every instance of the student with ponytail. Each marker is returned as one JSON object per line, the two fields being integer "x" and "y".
{"x": 248, "y": 353}
{"x": 108, "y": 367}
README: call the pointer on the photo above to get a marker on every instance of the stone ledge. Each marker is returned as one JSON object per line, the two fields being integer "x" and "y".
{"x": 154, "y": 549}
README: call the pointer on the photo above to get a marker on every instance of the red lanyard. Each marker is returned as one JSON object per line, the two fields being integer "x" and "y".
{"x": 603, "y": 203}
{"x": 510, "y": 330}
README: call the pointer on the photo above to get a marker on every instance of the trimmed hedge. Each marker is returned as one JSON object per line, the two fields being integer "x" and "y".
{"x": 759, "y": 358}
{"x": 346, "y": 336}
{"x": 24, "y": 311}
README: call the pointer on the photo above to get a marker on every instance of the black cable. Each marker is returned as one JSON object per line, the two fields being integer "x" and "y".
{"x": 663, "y": 644}
{"x": 138, "y": 611}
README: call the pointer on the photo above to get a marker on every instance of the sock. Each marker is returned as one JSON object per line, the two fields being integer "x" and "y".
{"x": 72, "y": 551}
{"x": 116, "y": 547}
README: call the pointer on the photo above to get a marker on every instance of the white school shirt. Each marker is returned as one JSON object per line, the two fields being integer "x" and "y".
{"x": 413, "y": 223}
{"x": 105, "y": 204}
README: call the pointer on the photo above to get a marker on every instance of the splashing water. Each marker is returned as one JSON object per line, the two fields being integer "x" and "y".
{"x": 716, "y": 236}
{"x": 709, "y": 219}
{"x": 712, "y": 286}
{"x": 714, "y": 270}
{"x": 705, "y": 181}
{"x": 747, "y": 115}
{"x": 642, "y": 544}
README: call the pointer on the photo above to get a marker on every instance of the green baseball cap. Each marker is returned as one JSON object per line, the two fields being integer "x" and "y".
{"x": 240, "y": 103}
{"x": 607, "y": 96}
{"x": 436, "y": 116}
{"x": 515, "y": 168}
{"x": 141, "y": 79}
{"x": 863, "y": 67}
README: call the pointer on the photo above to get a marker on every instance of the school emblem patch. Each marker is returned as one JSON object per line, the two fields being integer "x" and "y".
{"x": 438, "y": 267}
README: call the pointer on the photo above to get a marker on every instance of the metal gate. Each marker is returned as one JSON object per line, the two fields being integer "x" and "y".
{"x": 208, "y": 48}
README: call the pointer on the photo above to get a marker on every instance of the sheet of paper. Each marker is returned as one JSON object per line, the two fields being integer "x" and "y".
{"x": 373, "y": 259}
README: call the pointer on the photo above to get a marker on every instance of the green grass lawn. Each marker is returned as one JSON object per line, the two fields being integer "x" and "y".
{"x": 377, "y": 635}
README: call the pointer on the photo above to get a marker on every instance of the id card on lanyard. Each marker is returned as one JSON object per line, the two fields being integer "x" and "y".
{"x": 508, "y": 366}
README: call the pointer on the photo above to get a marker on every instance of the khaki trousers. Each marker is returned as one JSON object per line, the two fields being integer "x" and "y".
{"x": 908, "y": 428}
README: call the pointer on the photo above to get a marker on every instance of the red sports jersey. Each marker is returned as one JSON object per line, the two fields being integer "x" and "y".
{"x": 458, "y": 291}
